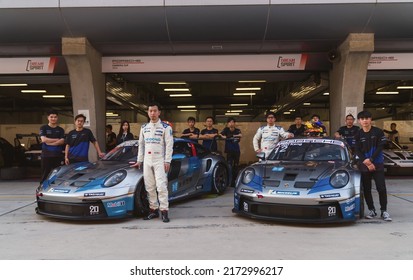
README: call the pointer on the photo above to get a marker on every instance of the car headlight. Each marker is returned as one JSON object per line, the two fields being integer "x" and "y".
{"x": 339, "y": 179}
{"x": 53, "y": 173}
{"x": 115, "y": 178}
{"x": 248, "y": 175}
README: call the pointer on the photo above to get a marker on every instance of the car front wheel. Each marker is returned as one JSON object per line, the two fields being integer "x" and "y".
{"x": 141, "y": 202}
{"x": 219, "y": 179}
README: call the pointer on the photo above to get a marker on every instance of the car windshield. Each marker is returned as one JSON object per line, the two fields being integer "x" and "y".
{"x": 306, "y": 151}
{"x": 122, "y": 153}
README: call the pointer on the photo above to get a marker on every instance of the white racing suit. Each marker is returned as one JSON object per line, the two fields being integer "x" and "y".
{"x": 267, "y": 137}
{"x": 155, "y": 148}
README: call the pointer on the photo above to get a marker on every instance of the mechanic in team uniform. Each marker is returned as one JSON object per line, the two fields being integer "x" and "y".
{"x": 209, "y": 135}
{"x": 370, "y": 141}
{"x": 269, "y": 135}
{"x": 191, "y": 132}
{"x": 77, "y": 142}
{"x": 298, "y": 128}
{"x": 348, "y": 131}
{"x": 53, "y": 140}
{"x": 232, "y": 136}
{"x": 155, "y": 152}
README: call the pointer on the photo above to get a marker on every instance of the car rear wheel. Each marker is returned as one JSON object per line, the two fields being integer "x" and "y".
{"x": 141, "y": 202}
{"x": 219, "y": 179}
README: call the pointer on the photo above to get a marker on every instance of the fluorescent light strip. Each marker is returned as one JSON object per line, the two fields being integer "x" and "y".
{"x": 307, "y": 103}
{"x": 248, "y": 88}
{"x": 387, "y": 92}
{"x": 185, "y": 106}
{"x": 33, "y": 91}
{"x": 54, "y": 96}
{"x": 287, "y": 113}
{"x": 13, "y": 85}
{"x": 243, "y": 93}
{"x": 326, "y": 93}
{"x": 231, "y": 114}
{"x": 172, "y": 83}
{"x": 189, "y": 110}
{"x": 176, "y": 89}
{"x": 238, "y": 105}
{"x": 180, "y": 95}
{"x": 405, "y": 87}
{"x": 253, "y": 81}
{"x": 111, "y": 114}
{"x": 234, "y": 111}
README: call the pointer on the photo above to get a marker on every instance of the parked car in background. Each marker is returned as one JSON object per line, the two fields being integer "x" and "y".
{"x": 309, "y": 180}
{"x": 398, "y": 160}
{"x": 110, "y": 188}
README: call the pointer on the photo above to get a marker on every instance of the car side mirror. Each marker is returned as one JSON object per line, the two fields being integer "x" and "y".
{"x": 261, "y": 156}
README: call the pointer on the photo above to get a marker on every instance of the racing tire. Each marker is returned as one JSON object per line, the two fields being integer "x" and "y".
{"x": 220, "y": 179}
{"x": 141, "y": 202}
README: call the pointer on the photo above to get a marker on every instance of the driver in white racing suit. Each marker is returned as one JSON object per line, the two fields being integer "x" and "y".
{"x": 155, "y": 151}
{"x": 269, "y": 135}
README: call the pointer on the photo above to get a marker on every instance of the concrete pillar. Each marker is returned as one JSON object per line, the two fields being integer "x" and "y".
{"x": 88, "y": 86}
{"x": 348, "y": 77}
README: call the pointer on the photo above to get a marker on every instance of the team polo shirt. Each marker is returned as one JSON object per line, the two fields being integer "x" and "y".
{"x": 349, "y": 134}
{"x": 231, "y": 145}
{"x": 53, "y": 133}
{"x": 79, "y": 144}
{"x": 210, "y": 144}
{"x": 188, "y": 130}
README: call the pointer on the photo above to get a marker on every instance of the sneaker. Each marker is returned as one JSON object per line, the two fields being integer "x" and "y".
{"x": 371, "y": 214}
{"x": 152, "y": 215}
{"x": 386, "y": 216}
{"x": 165, "y": 218}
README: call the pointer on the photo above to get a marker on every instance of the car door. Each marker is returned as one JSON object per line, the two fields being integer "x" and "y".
{"x": 184, "y": 171}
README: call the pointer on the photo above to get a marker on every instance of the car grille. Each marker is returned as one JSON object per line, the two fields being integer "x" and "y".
{"x": 304, "y": 185}
{"x": 293, "y": 212}
{"x": 90, "y": 210}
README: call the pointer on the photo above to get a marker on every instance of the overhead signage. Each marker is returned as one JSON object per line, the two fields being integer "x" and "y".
{"x": 27, "y": 65}
{"x": 390, "y": 61}
{"x": 204, "y": 63}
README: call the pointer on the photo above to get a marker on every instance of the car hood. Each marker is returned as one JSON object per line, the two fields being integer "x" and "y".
{"x": 299, "y": 171}
{"x": 89, "y": 171}
{"x": 402, "y": 154}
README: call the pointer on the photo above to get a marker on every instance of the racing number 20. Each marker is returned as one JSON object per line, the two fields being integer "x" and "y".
{"x": 331, "y": 211}
{"x": 93, "y": 210}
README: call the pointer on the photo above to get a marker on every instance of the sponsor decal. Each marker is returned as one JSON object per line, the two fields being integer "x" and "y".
{"x": 330, "y": 195}
{"x": 350, "y": 207}
{"x": 60, "y": 190}
{"x": 247, "y": 191}
{"x": 199, "y": 187}
{"x": 94, "y": 194}
{"x": 174, "y": 186}
{"x": 111, "y": 204}
{"x": 287, "y": 192}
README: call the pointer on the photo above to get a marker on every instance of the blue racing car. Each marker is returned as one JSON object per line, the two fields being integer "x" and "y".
{"x": 110, "y": 188}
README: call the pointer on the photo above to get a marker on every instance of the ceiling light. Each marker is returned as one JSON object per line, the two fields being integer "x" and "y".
{"x": 326, "y": 93}
{"x": 189, "y": 110}
{"x": 287, "y": 113}
{"x": 387, "y": 92}
{"x": 13, "y": 85}
{"x": 172, "y": 83}
{"x": 231, "y": 114}
{"x": 307, "y": 103}
{"x": 405, "y": 87}
{"x": 234, "y": 111}
{"x": 238, "y": 105}
{"x": 253, "y": 81}
{"x": 33, "y": 91}
{"x": 243, "y": 93}
{"x": 176, "y": 89}
{"x": 186, "y": 106}
{"x": 248, "y": 88}
{"x": 180, "y": 95}
{"x": 54, "y": 96}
